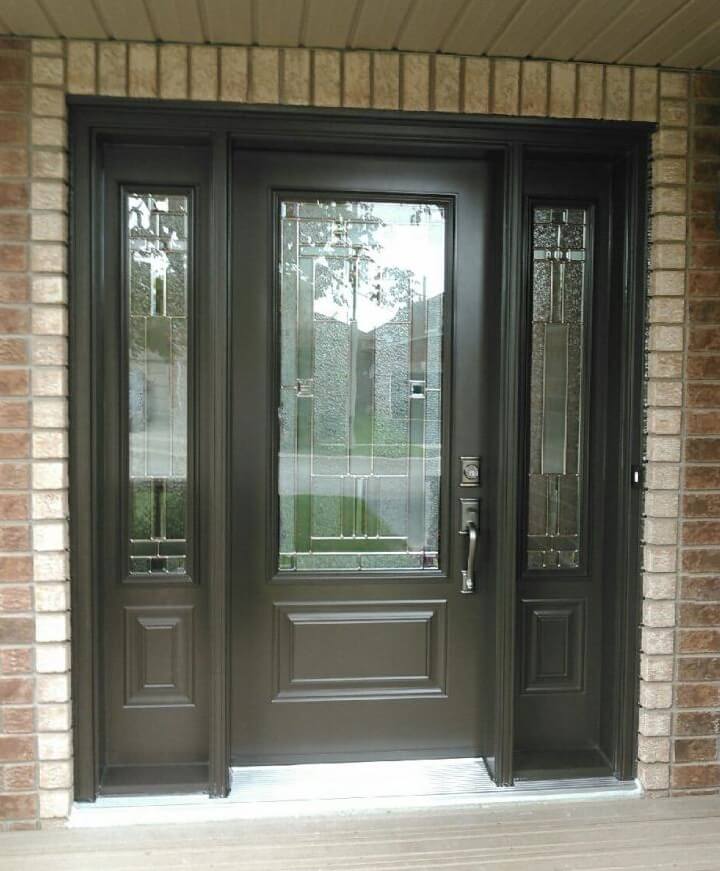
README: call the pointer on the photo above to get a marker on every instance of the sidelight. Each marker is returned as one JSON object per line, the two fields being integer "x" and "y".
{"x": 362, "y": 286}
{"x": 558, "y": 398}
{"x": 157, "y": 390}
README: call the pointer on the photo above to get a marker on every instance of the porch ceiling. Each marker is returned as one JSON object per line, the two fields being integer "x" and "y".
{"x": 673, "y": 33}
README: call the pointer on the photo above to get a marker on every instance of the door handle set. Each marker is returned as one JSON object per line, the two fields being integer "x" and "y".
{"x": 469, "y": 523}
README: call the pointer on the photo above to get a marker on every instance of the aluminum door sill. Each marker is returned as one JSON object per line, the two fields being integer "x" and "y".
{"x": 274, "y": 791}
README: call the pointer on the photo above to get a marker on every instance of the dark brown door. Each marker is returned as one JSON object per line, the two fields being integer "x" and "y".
{"x": 155, "y": 472}
{"x": 363, "y": 371}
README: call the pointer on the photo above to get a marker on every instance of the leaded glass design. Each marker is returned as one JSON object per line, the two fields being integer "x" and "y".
{"x": 157, "y": 289}
{"x": 558, "y": 404}
{"x": 362, "y": 286}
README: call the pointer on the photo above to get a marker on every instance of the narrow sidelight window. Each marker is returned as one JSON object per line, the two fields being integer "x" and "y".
{"x": 558, "y": 393}
{"x": 157, "y": 280}
{"x": 362, "y": 286}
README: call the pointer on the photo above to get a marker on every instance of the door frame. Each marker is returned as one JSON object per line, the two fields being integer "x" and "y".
{"x": 94, "y": 122}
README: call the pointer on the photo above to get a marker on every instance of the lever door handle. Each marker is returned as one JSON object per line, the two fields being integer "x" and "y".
{"x": 467, "y": 575}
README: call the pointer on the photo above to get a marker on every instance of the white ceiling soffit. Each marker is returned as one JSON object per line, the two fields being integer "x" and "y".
{"x": 674, "y": 33}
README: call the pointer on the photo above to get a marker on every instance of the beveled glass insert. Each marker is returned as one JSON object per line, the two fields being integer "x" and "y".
{"x": 558, "y": 404}
{"x": 361, "y": 303}
{"x": 157, "y": 293}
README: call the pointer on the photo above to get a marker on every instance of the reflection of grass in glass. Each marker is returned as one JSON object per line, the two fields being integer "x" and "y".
{"x": 330, "y": 510}
{"x": 142, "y": 519}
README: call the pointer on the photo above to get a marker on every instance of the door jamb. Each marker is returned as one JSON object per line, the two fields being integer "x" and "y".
{"x": 434, "y": 134}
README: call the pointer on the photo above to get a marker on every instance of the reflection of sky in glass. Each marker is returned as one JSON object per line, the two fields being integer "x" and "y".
{"x": 408, "y": 238}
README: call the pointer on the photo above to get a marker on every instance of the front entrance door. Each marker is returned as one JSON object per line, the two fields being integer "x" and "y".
{"x": 363, "y": 372}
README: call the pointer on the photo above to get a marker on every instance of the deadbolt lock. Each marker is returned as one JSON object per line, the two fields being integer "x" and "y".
{"x": 469, "y": 471}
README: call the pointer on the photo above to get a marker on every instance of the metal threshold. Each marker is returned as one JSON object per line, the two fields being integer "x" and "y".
{"x": 343, "y": 788}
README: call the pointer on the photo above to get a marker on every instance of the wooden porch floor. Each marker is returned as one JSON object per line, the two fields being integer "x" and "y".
{"x": 618, "y": 834}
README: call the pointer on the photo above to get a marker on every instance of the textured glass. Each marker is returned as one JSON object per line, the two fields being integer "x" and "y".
{"x": 157, "y": 292}
{"x": 361, "y": 317}
{"x": 558, "y": 406}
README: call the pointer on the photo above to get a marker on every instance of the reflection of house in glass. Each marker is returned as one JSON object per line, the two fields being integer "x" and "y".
{"x": 361, "y": 314}
{"x": 157, "y": 276}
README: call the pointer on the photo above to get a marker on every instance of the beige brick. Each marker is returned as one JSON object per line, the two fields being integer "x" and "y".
{"x": 48, "y": 257}
{"x": 660, "y": 559}
{"x": 49, "y": 227}
{"x": 670, "y": 141}
{"x": 668, "y": 393}
{"x": 49, "y": 164}
{"x": 52, "y": 658}
{"x": 667, "y": 283}
{"x": 654, "y": 776}
{"x": 667, "y": 255}
{"x": 674, "y": 113}
{"x": 49, "y": 350}
{"x": 666, "y": 309}
{"x": 645, "y": 94}
{"x": 665, "y": 338}
{"x": 234, "y": 74}
{"x": 48, "y": 101}
{"x": 660, "y": 614}
{"x": 49, "y": 289}
{"x": 446, "y": 90}
{"x": 203, "y": 72}
{"x": 48, "y": 195}
{"x": 653, "y": 749}
{"x": 51, "y": 628}
{"x": 562, "y": 90}
{"x": 534, "y": 88}
{"x": 52, "y": 597}
{"x": 54, "y": 745}
{"x": 505, "y": 92}
{"x": 49, "y": 445}
{"x": 476, "y": 90}
{"x": 660, "y": 530}
{"x": 50, "y": 567}
{"x": 662, "y": 476}
{"x": 655, "y": 695}
{"x": 49, "y": 131}
{"x": 47, "y": 46}
{"x": 55, "y": 775}
{"x": 617, "y": 93}
{"x": 81, "y": 67}
{"x": 654, "y": 723}
{"x": 53, "y": 718}
{"x": 49, "y": 413}
{"x": 657, "y": 641}
{"x": 416, "y": 82}
{"x": 173, "y": 72}
{"x": 674, "y": 85}
{"x": 669, "y": 199}
{"x": 326, "y": 78}
{"x": 49, "y": 320}
{"x": 356, "y": 79}
{"x": 656, "y": 668}
{"x": 264, "y": 83}
{"x": 664, "y": 421}
{"x": 590, "y": 91}
{"x": 53, "y": 688}
{"x": 296, "y": 77}
{"x": 49, "y": 476}
{"x": 669, "y": 227}
{"x": 669, "y": 170}
{"x": 659, "y": 585}
{"x": 49, "y": 535}
{"x": 54, "y": 803}
{"x": 662, "y": 503}
{"x": 142, "y": 70}
{"x": 48, "y": 71}
{"x": 112, "y": 69}
{"x": 386, "y": 80}
{"x": 49, "y": 381}
{"x": 53, "y": 504}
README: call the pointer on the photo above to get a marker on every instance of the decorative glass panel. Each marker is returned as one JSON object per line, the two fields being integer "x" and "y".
{"x": 558, "y": 404}
{"x": 157, "y": 289}
{"x": 362, "y": 287}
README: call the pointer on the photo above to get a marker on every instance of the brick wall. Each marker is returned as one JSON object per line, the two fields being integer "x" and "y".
{"x": 697, "y": 670}
{"x": 679, "y": 698}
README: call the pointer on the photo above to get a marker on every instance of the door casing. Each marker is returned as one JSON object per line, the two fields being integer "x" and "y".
{"x": 95, "y": 122}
